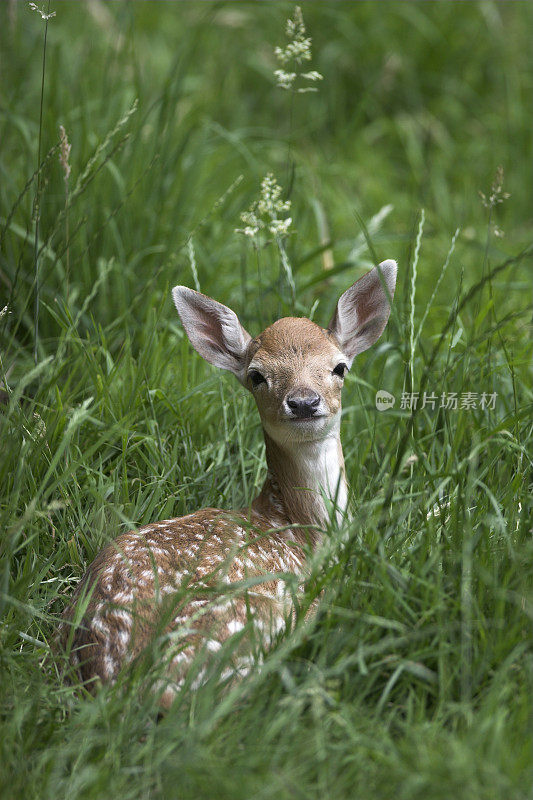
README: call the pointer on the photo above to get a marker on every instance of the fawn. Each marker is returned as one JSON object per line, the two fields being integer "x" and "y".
{"x": 295, "y": 371}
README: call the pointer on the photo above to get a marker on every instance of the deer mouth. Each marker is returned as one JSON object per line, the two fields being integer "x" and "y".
{"x": 307, "y": 418}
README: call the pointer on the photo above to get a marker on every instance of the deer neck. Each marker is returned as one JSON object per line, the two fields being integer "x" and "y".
{"x": 300, "y": 481}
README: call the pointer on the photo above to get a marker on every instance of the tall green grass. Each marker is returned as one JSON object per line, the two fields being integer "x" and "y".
{"x": 415, "y": 678}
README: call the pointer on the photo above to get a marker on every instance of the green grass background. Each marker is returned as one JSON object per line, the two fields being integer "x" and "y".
{"x": 415, "y": 680}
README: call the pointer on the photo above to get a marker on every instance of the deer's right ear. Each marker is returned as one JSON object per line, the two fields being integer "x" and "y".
{"x": 213, "y": 329}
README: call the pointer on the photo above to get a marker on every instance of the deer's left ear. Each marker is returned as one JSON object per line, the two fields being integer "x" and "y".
{"x": 363, "y": 310}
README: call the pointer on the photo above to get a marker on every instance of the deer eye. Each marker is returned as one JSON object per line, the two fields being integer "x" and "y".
{"x": 340, "y": 369}
{"x": 256, "y": 377}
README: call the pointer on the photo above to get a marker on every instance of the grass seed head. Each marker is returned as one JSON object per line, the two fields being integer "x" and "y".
{"x": 497, "y": 195}
{"x": 64, "y": 152}
{"x": 44, "y": 16}
{"x": 292, "y": 56}
{"x": 265, "y": 213}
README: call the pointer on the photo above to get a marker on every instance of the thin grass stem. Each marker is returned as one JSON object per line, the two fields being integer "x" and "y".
{"x": 439, "y": 280}
{"x": 414, "y": 269}
{"x": 37, "y": 206}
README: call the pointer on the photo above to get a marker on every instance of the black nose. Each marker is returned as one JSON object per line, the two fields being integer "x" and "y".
{"x": 303, "y": 403}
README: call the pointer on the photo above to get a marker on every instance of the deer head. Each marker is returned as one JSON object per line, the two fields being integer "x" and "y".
{"x": 294, "y": 369}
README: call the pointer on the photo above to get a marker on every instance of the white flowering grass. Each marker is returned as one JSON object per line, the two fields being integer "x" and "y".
{"x": 494, "y": 198}
{"x": 292, "y": 57}
{"x": 496, "y": 195}
{"x": 265, "y": 214}
{"x": 264, "y": 222}
{"x": 44, "y": 15}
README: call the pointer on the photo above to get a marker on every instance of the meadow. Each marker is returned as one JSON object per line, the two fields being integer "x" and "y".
{"x": 415, "y": 679}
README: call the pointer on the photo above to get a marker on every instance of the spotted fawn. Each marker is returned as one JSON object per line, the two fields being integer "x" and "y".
{"x": 133, "y": 592}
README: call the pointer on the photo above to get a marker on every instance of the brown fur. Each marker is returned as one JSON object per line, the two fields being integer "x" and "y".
{"x": 134, "y": 583}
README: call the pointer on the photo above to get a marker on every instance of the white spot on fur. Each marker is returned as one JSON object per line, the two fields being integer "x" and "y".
{"x": 244, "y": 665}
{"x": 180, "y": 658}
{"x": 110, "y": 666}
{"x": 279, "y": 624}
{"x": 123, "y": 597}
{"x": 99, "y": 625}
{"x": 221, "y": 607}
{"x": 198, "y": 603}
{"x": 200, "y": 678}
{"x": 122, "y": 615}
{"x": 234, "y": 626}
{"x": 167, "y": 588}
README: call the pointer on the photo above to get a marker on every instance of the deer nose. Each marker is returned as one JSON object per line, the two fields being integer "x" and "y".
{"x": 303, "y": 403}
